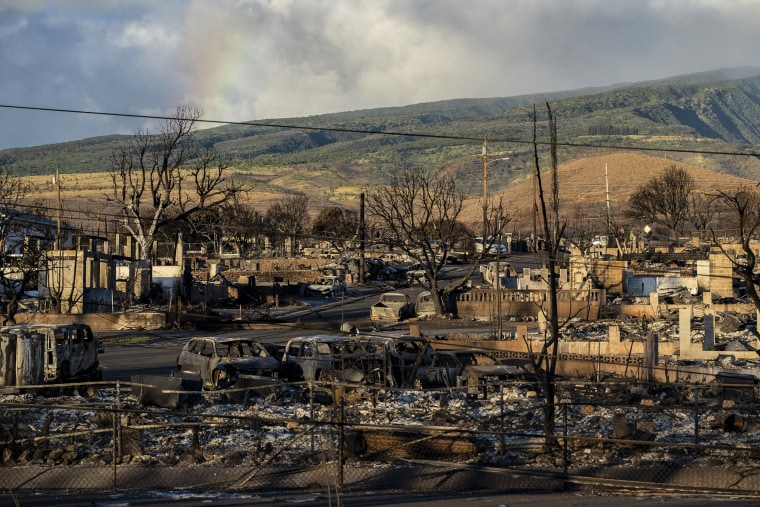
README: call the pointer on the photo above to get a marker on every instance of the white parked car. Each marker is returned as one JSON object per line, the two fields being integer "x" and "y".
{"x": 494, "y": 248}
{"x": 327, "y": 286}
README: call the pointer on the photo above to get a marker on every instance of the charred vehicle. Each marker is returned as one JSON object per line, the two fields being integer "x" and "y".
{"x": 425, "y": 306}
{"x": 317, "y": 357}
{"x": 472, "y": 369}
{"x": 222, "y": 361}
{"x": 389, "y": 360}
{"x": 47, "y": 354}
{"x": 392, "y": 306}
{"x": 363, "y": 359}
{"x": 327, "y": 285}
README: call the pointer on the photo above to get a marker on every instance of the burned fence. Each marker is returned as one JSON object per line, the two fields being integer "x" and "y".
{"x": 330, "y": 437}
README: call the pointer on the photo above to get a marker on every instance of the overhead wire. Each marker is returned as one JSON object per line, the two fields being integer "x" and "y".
{"x": 386, "y": 132}
{"x": 118, "y": 217}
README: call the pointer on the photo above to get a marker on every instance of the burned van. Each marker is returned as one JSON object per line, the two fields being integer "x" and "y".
{"x": 48, "y": 354}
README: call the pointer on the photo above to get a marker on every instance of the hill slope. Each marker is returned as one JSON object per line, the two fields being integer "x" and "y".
{"x": 584, "y": 181}
{"x": 703, "y": 116}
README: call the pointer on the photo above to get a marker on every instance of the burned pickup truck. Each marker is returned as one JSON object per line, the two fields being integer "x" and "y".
{"x": 392, "y": 306}
{"x": 48, "y": 354}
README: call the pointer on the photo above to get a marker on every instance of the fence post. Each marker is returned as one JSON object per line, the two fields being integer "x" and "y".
{"x": 341, "y": 442}
{"x": 311, "y": 411}
{"x": 116, "y": 431}
{"x": 696, "y": 414}
{"x": 564, "y": 434}
{"x": 501, "y": 418}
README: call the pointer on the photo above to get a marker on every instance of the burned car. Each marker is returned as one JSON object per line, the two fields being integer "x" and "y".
{"x": 327, "y": 286}
{"x": 47, "y": 353}
{"x": 392, "y": 306}
{"x": 389, "y": 360}
{"x": 473, "y": 369}
{"x": 363, "y": 359}
{"x": 317, "y": 357}
{"x": 425, "y": 307}
{"x": 221, "y": 361}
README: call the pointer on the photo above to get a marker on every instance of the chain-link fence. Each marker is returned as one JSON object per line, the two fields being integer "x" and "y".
{"x": 329, "y": 437}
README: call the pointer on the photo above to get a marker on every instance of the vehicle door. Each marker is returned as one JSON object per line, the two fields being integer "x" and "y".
{"x": 207, "y": 359}
{"x": 291, "y": 360}
{"x": 76, "y": 340}
{"x": 308, "y": 360}
{"x": 445, "y": 370}
{"x": 190, "y": 357}
{"x": 90, "y": 357}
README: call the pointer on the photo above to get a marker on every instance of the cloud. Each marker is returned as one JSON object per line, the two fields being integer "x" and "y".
{"x": 255, "y": 59}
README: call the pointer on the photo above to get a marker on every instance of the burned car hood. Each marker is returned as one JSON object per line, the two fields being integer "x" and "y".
{"x": 244, "y": 364}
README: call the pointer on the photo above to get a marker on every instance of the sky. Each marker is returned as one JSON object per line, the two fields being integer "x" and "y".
{"x": 244, "y": 60}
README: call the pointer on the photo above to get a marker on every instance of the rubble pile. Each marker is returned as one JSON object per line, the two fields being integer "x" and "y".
{"x": 254, "y": 433}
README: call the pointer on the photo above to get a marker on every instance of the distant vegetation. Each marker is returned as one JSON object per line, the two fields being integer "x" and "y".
{"x": 715, "y": 111}
{"x": 611, "y": 130}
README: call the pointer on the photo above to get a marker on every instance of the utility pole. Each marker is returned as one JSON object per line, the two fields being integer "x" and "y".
{"x": 498, "y": 281}
{"x": 361, "y": 238}
{"x": 535, "y": 206}
{"x": 57, "y": 182}
{"x": 485, "y": 193}
{"x": 607, "y": 198}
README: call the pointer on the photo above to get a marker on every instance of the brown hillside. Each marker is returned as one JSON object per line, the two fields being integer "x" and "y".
{"x": 582, "y": 183}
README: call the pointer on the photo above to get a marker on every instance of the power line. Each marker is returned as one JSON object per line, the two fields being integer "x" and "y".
{"x": 478, "y": 139}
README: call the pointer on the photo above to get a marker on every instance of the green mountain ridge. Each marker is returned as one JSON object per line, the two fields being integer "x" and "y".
{"x": 717, "y": 111}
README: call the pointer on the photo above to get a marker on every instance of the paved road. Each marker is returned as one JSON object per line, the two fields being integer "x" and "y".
{"x": 157, "y": 351}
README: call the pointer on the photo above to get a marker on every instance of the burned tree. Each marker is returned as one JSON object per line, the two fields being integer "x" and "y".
{"x": 701, "y": 212}
{"x": 664, "y": 200}
{"x": 741, "y": 208}
{"x": 288, "y": 219}
{"x": 149, "y": 178}
{"x": 336, "y": 225}
{"x": 545, "y": 362}
{"x": 418, "y": 210}
{"x": 243, "y": 227}
{"x": 24, "y": 239}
